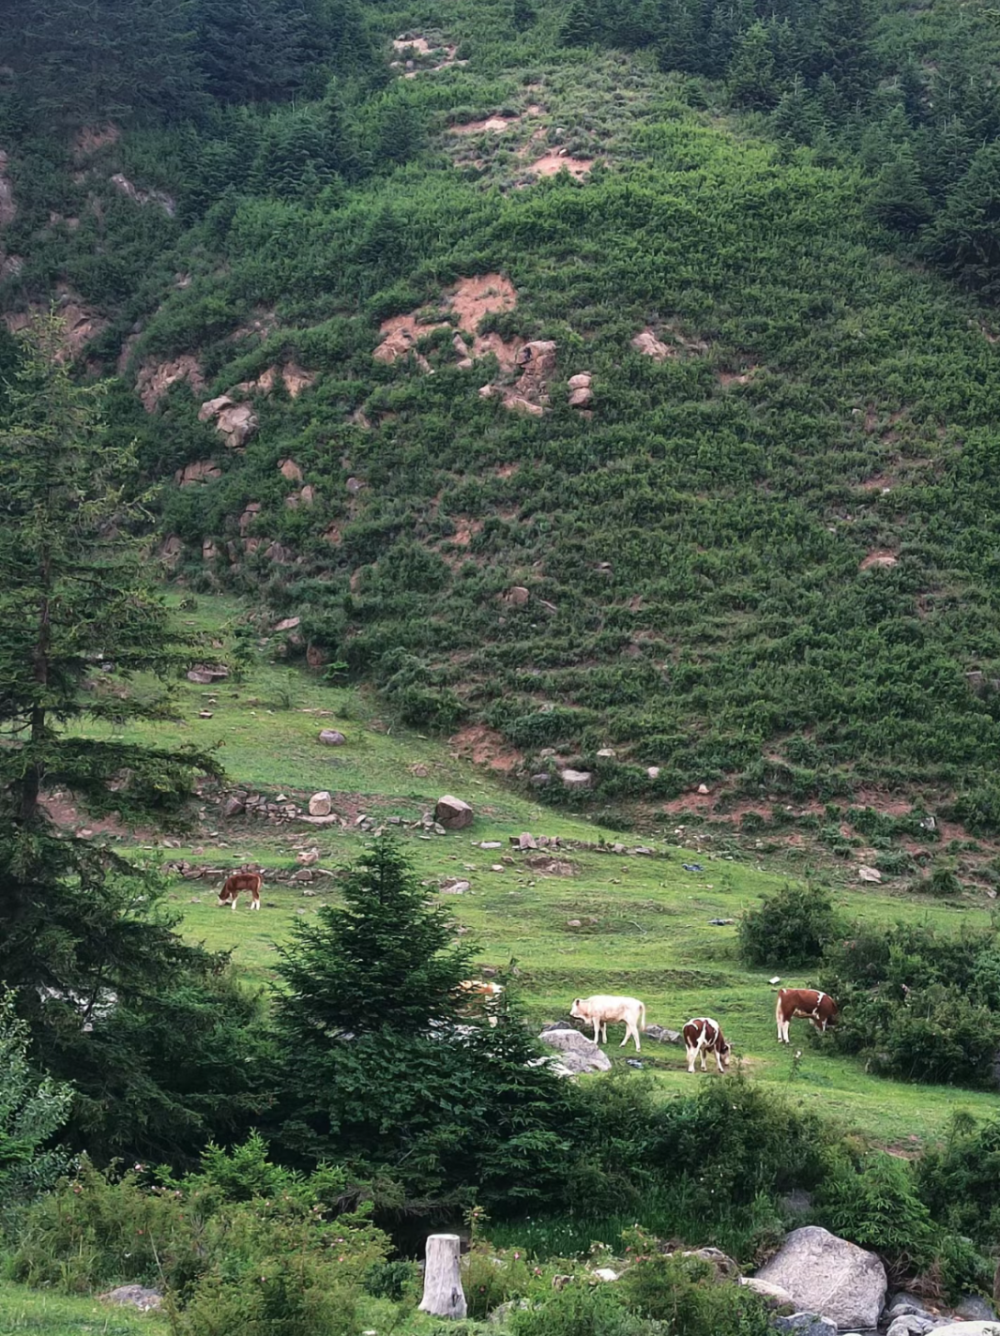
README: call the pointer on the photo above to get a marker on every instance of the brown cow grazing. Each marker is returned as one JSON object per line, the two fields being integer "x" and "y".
{"x": 241, "y": 881}
{"x": 815, "y": 1006}
{"x": 703, "y": 1035}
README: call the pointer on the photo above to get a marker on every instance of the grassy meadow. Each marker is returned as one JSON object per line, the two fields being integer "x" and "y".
{"x": 643, "y": 919}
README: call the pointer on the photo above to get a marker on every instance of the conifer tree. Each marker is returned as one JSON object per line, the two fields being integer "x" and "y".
{"x": 115, "y": 1001}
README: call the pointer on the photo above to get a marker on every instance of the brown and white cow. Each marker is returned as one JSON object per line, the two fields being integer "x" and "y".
{"x": 815, "y": 1006}
{"x": 604, "y": 1007}
{"x": 482, "y": 996}
{"x": 703, "y": 1035}
{"x": 241, "y": 881}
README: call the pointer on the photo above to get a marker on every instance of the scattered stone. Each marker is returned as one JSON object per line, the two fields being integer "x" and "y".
{"x": 135, "y": 1296}
{"x": 720, "y": 923}
{"x": 307, "y": 857}
{"x": 491, "y": 844}
{"x": 233, "y": 806}
{"x": 517, "y": 596}
{"x": 606, "y": 754}
{"x": 911, "y": 1324}
{"x": 967, "y": 1329}
{"x": 869, "y": 874}
{"x": 574, "y": 923}
{"x": 653, "y": 772}
{"x": 579, "y": 1054}
{"x": 454, "y": 887}
{"x": 826, "y": 1274}
{"x": 332, "y": 737}
{"x": 524, "y": 841}
{"x": 576, "y": 779}
{"x": 290, "y": 470}
{"x": 604, "y": 1273}
{"x": 774, "y": 1295}
{"x": 540, "y": 781}
{"x": 650, "y": 346}
{"x": 704, "y": 790}
{"x": 207, "y": 673}
{"x": 974, "y": 1308}
{"x": 204, "y": 714}
{"x": 806, "y": 1324}
{"x": 289, "y": 624}
{"x": 452, "y": 813}
{"x": 662, "y": 1035}
{"x": 354, "y": 485}
{"x": 320, "y": 804}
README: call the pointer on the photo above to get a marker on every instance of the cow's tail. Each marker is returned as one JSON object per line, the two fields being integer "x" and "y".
{"x": 777, "y": 1005}
{"x": 642, "y": 1016}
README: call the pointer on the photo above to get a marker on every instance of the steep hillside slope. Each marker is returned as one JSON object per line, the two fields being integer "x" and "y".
{"x": 572, "y": 411}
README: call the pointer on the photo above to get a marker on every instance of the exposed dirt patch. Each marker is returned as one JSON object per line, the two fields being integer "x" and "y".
{"x": 421, "y": 56}
{"x": 143, "y": 197}
{"x": 485, "y": 746}
{"x": 93, "y": 138}
{"x": 155, "y": 378}
{"x": 80, "y": 322}
{"x": 551, "y": 164}
{"x": 726, "y": 378}
{"x": 470, "y": 300}
{"x": 67, "y": 816}
{"x": 507, "y": 470}
{"x": 464, "y": 531}
{"x": 879, "y": 558}
{"x": 492, "y": 125}
{"x": 881, "y": 482}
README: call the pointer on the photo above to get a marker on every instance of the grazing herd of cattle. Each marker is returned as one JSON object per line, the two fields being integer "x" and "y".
{"x": 702, "y": 1035}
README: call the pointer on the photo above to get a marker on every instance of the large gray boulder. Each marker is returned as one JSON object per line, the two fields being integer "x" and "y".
{"x": 828, "y": 1275}
{"x": 579, "y": 1054}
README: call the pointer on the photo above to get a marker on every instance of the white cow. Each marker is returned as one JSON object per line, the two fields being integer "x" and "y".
{"x": 603, "y": 1008}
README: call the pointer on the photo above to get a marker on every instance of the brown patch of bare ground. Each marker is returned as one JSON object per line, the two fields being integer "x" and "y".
{"x": 471, "y": 299}
{"x": 879, "y": 558}
{"x": 485, "y": 746}
{"x": 558, "y": 160}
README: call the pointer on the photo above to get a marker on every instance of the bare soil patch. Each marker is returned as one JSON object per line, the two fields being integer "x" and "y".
{"x": 470, "y": 300}
{"x": 485, "y": 746}
{"x": 551, "y": 164}
{"x": 880, "y": 558}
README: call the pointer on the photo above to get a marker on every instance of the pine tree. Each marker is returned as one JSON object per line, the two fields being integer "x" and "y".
{"x": 78, "y": 617}
{"x": 116, "y": 1002}
{"x": 385, "y": 1070}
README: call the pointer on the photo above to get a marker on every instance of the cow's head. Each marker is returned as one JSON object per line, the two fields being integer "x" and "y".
{"x": 575, "y": 1011}
{"x": 725, "y": 1051}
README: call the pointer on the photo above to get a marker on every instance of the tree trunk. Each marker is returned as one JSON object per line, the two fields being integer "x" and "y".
{"x": 443, "y": 1293}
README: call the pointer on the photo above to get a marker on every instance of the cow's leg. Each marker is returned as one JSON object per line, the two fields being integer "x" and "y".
{"x": 630, "y": 1030}
{"x": 692, "y": 1053}
{"x": 233, "y": 901}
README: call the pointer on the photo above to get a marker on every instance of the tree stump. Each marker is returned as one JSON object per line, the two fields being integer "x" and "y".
{"x": 443, "y": 1293}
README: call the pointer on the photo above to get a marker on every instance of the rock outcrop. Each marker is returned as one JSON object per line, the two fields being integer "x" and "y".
{"x": 829, "y": 1276}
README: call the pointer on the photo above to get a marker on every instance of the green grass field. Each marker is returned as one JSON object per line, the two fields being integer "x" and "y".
{"x": 25, "y": 1312}
{"x": 643, "y": 919}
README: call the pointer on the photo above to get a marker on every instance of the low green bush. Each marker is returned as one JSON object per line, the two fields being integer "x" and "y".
{"x": 684, "y": 1294}
{"x": 873, "y": 1202}
{"x": 789, "y": 928}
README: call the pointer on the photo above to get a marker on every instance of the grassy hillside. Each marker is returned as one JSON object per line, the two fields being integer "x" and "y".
{"x": 579, "y": 919}
{"x": 761, "y": 554}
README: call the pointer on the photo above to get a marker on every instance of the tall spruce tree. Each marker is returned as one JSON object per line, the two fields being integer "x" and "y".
{"x": 116, "y": 1001}
{"x": 384, "y": 1069}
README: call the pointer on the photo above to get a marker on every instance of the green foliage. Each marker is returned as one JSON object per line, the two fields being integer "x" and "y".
{"x": 31, "y": 1112}
{"x": 874, "y": 1202}
{"x": 917, "y": 1004}
{"x": 579, "y": 1310}
{"x": 791, "y": 927}
{"x": 959, "y": 1179}
{"x": 684, "y": 1294}
{"x": 294, "y": 1257}
{"x": 385, "y": 1069}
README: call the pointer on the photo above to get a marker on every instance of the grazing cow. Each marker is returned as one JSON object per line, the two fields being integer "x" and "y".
{"x": 241, "y": 881}
{"x": 815, "y": 1006}
{"x": 482, "y": 995}
{"x": 703, "y": 1035}
{"x": 603, "y": 1008}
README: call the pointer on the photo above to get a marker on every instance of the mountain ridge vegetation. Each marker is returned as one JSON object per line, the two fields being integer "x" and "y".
{"x": 762, "y": 557}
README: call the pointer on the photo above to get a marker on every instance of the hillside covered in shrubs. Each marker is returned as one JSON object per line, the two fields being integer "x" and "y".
{"x": 604, "y": 379}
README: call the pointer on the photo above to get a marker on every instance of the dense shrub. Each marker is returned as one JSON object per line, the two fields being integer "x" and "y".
{"x": 873, "y": 1201}
{"x": 790, "y": 927}
{"x": 918, "y": 1004}
{"x": 683, "y": 1293}
{"x": 959, "y": 1180}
